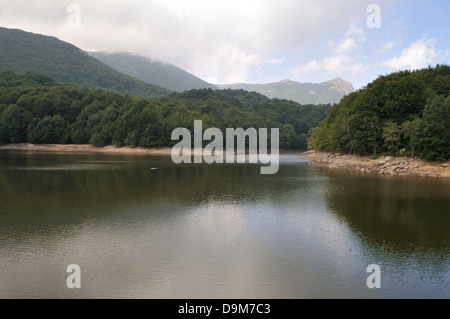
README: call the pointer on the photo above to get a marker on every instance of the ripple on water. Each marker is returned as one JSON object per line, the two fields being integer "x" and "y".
{"x": 69, "y": 167}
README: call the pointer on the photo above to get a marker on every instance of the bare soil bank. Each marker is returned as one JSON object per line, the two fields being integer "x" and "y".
{"x": 402, "y": 166}
{"x": 384, "y": 165}
{"x": 87, "y": 149}
{"x": 92, "y": 149}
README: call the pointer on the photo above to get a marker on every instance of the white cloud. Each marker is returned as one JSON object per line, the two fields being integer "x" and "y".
{"x": 202, "y": 36}
{"x": 347, "y": 46}
{"x": 356, "y": 31}
{"x": 388, "y": 46}
{"x": 229, "y": 61}
{"x": 343, "y": 58}
{"x": 312, "y": 66}
{"x": 419, "y": 55}
{"x": 275, "y": 61}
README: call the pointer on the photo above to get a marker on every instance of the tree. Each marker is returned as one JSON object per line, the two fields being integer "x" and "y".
{"x": 367, "y": 133}
{"x": 50, "y": 130}
{"x": 391, "y": 136}
{"x": 409, "y": 128}
{"x": 432, "y": 138}
{"x": 403, "y": 99}
{"x": 319, "y": 137}
{"x": 288, "y": 137}
{"x": 15, "y": 121}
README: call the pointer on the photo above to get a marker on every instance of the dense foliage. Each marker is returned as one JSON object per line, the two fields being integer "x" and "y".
{"x": 23, "y": 52}
{"x": 401, "y": 111}
{"x": 35, "y": 109}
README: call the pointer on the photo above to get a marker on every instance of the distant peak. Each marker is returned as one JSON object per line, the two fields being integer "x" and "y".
{"x": 287, "y": 81}
{"x": 335, "y": 80}
{"x": 340, "y": 85}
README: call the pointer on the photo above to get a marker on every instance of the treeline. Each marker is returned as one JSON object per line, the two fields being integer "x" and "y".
{"x": 34, "y": 109}
{"x": 404, "y": 112}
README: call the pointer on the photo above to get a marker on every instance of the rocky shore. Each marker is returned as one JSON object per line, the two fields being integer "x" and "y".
{"x": 400, "y": 166}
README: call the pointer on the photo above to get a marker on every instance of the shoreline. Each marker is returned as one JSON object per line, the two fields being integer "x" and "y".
{"x": 400, "y": 166}
{"x": 384, "y": 165}
{"x": 87, "y": 148}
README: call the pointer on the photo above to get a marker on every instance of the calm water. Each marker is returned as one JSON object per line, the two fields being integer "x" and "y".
{"x": 216, "y": 231}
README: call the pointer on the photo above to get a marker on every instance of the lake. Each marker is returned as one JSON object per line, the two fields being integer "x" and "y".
{"x": 216, "y": 231}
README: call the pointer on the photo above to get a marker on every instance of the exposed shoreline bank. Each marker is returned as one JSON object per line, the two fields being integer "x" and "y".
{"x": 397, "y": 166}
{"x": 401, "y": 166}
{"x": 85, "y": 148}
{"x": 77, "y": 148}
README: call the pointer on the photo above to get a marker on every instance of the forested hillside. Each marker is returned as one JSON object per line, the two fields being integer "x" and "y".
{"x": 23, "y": 52}
{"x": 35, "y": 109}
{"x": 401, "y": 111}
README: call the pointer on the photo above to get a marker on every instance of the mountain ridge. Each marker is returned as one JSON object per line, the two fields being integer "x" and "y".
{"x": 329, "y": 92}
{"x": 23, "y": 52}
{"x": 152, "y": 71}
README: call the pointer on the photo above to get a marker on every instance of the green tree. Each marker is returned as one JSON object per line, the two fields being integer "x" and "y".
{"x": 50, "y": 130}
{"x": 432, "y": 138}
{"x": 15, "y": 121}
{"x": 319, "y": 137}
{"x": 288, "y": 137}
{"x": 409, "y": 128}
{"x": 391, "y": 136}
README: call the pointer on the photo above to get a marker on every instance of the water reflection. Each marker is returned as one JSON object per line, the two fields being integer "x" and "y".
{"x": 215, "y": 231}
{"x": 399, "y": 212}
{"x": 403, "y": 224}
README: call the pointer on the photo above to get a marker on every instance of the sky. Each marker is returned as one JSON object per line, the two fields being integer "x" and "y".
{"x": 252, "y": 41}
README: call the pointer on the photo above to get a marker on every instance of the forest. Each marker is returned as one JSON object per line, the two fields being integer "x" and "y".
{"x": 404, "y": 113}
{"x": 35, "y": 109}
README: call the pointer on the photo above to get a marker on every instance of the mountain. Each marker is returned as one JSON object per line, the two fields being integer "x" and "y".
{"x": 330, "y": 92}
{"x": 24, "y": 52}
{"x": 153, "y": 72}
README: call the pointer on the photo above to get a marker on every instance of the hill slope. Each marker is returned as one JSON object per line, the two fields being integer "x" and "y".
{"x": 404, "y": 112}
{"x": 24, "y": 52}
{"x": 34, "y": 109}
{"x": 153, "y": 72}
{"x": 329, "y": 92}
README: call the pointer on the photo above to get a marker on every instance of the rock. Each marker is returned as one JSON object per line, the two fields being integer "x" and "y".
{"x": 388, "y": 159}
{"x": 445, "y": 165}
{"x": 402, "y": 151}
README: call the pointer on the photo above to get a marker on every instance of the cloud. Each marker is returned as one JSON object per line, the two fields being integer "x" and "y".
{"x": 230, "y": 62}
{"x": 346, "y": 46}
{"x": 419, "y": 55}
{"x": 388, "y": 46}
{"x": 275, "y": 61}
{"x": 196, "y": 35}
{"x": 356, "y": 31}
{"x": 344, "y": 58}
{"x": 312, "y": 66}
